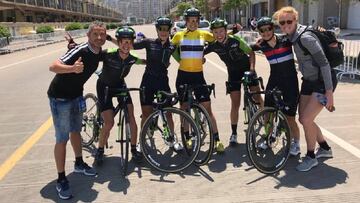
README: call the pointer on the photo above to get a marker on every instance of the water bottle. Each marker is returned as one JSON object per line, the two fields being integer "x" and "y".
{"x": 323, "y": 101}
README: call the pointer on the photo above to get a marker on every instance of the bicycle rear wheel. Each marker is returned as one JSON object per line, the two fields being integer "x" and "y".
{"x": 90, "y": 126}
{"x": 268, "y": 140}
{"x": 124, "y": 139}
{"x": 160, "y": 144}
{"x": 203, "y": 122}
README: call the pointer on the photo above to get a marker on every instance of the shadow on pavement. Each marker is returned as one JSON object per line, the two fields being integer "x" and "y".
{"x": 81, "y": 187}
{"x": 236, "y": 155}
{"x": 322, "y": 176}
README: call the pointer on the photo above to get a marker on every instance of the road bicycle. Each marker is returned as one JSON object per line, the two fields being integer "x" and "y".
{"x": 202, "y": 120}
{"x": 268, "y": 136}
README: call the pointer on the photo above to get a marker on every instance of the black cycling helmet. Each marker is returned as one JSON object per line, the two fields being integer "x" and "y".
{"x": 249, "y": 77}
{"x": 125, "y": 32}
{"x": 264, "y": 21}
{"x": 218, "y": 23}
{"x": 163, "y": 21}
{"x": 192, "y": 12}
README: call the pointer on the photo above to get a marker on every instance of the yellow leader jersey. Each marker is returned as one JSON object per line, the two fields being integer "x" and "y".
{"x": 191, "y": 44}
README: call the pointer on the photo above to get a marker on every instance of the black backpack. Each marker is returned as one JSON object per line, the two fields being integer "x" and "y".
{"x": 332, "y": 48}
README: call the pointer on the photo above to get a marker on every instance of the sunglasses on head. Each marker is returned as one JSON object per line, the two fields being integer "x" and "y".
{"x": 289, "y": 22}
{"x": 266, "y": 29}
{"x": 164, "y": 28}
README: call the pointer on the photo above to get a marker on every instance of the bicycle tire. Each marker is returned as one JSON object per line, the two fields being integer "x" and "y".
{"x": 261, "y": 147}
{"x": 203, "y": 121}
{"x": 123, "y": 139}
{"x": 150, "y": 143}
{"x": 90, "y": 127}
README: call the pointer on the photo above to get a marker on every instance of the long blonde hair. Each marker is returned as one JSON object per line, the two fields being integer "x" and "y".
{"x": 286, "y": 9}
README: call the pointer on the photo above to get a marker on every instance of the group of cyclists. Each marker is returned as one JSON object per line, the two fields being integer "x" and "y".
{"x": 188, "y": 47}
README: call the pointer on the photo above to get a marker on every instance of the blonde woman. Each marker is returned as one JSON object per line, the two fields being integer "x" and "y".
{"x": 317, "y": 79}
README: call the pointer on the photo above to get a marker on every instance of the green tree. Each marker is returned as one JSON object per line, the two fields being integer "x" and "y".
{"x": 73, "y": 26}
{"x": 181, "y": 7}
{"x": 4, "y": 31}
{"x": 44, "y": 29}
{"x": 202, "y": 6}
{"x": 236, "y": 4}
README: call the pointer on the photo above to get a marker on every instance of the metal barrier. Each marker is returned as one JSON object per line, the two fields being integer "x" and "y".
{"x": 351, "y": 65}
{"x": 26, "y": 41}
{"x": 249, "y": 36}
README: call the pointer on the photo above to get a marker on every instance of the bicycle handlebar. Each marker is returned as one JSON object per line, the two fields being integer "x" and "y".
{"x": 173, "y": 97}
{"x": 190, "y": 88}
{"x": 118, "y": 91}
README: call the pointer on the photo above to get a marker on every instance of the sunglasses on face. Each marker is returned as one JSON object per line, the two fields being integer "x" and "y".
{"x": 266, "y": 29}
{"x": 289, "y": 22}
{"x": 164, "y": 28}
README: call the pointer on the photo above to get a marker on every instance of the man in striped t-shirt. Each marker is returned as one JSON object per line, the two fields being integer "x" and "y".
{"x": 191, "y": 43}
{"x": 67, "y": 103}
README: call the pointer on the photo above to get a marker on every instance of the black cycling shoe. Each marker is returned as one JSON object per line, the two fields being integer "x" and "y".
{"x": 99, "y": 157}
{"x": 137, "y": 156}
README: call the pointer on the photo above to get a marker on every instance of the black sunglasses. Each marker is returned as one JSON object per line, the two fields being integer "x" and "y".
{"x": 289, "y": 22}
{"x": 163, "y": 28}
{"x": 266, "y": 29}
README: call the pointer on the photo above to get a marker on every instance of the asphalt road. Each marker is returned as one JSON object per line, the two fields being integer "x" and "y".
{"x": 28, "y": 173}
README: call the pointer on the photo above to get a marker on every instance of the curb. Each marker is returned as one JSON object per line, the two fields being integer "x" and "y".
{"x": 8, "y": 51}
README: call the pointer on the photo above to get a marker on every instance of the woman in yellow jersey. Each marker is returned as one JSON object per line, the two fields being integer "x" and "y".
{"x": 191, "y": 43}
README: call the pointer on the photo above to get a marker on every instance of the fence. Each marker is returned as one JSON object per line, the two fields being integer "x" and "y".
{"x": 351, "y": 66}
{"x": 26, "y": 41}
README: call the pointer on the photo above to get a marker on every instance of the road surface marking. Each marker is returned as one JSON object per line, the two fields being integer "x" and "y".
{"x": 337, "y": 140}
{"x": 29, "y": 59}
{"x": 24, "y": 148}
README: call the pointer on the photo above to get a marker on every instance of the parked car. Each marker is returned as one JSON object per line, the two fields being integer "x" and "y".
{"x": 180, "y": 25}
{"x": 204, "y": 25}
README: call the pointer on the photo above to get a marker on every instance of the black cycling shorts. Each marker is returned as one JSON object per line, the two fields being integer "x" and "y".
{"x": 308, "y": 87}
{"x": 202, "y": 94}
{"x": 108, "y": 104}
{"x": 234, "y": 80}
{"x": 289, "y": 87}
{"x": 152, "y": 85}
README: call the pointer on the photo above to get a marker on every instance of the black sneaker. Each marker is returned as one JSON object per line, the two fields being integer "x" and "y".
{"x": 99, "y": 157}
{"x": 137, "y": 156}
{"x": 85, "y": 169}
{"x": 63, "y": 189}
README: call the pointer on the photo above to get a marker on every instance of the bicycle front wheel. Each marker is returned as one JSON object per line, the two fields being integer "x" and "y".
{"x": 124, "y": 139}
{"x": 268, "y": 140}
{"x": 203, "y": 122}
{"x": 90, "y": 126}
{"x": 162, "y": 143}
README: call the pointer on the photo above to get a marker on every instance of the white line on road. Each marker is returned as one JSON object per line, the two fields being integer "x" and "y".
{"x": 29, "y": 59}
{"x": 337, "y": 140}
{"x": 342, "y": 143}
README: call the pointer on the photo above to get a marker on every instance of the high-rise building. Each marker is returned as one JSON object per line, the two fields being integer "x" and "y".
{"x": 56, "y": 11}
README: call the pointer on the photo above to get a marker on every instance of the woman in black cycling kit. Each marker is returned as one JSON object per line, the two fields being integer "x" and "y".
{"x": 238, "y": 57}
{"x": 116, "y": 66}
{"x": 158, "y": 53}
{"x": 278, "y": 51}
